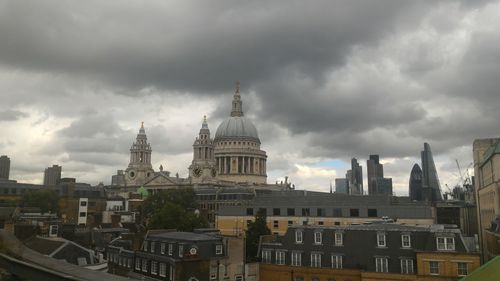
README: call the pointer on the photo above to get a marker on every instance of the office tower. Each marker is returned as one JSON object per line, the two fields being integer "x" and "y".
{"x": 383, "y": 186}
{"x": 430, "y": 183}
{"x": 375, "y": 171}
{"x": 355, "y": 177}
{"x": 52, "y": 175}
{"x": 341, "y": 186}
{"x": 4, "y": 167}
{"x": 415, "y": 184}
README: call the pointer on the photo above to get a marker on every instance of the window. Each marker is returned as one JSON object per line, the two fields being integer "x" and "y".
{"x": 170, "y": 249}
{"x": 280, "y": 257}
{"x": 290, "y": 223}
{"x": 299, "y": 278}
{"x": 336, "y": 223}
{"x": 381, "y": 265}
{"x": 238, "y": 278}
{"x": 137, "y": 264}
{"x": 171, "y": 273}
{"x": 154, "y": 267}
{"x": 315, "y": 260}
{"x": 296, "y": 258}
{"x": 320, "y": 223}
{"x": 337, "y": 212}
{"x": 315, "y": 279}
{"x": 152, "y": 244}
{"x": 249, "y": 211}
{"x": 218, "y": 249}
{"x": 320, "y": 212}
{"x": 145, "y": 246}
{"x": 181, "y": 251}
{"x": 305, "y": 212}
{"x": 298, "y": 236}
{"x": 144, "y": 265}
{"x": 266, "y": 256}
{"x": 290, "y": 212}
{"x": 337, "y": 261}
{"x": 276, "y": 211}
{"x": 405, "y": 241}
{"x": 83, "y": 203}
{"x": 406, "y": 266}
{"x": 162, "y": 248}
{"x": 163, "y": 269}
{"x": 83, "y": 214}
{"x": 354, "y": 212}
{"x": 381, "y": 239}
{"x": 275, "y": 224}
{"x": 372, "y": 213}
{"x": 462, "y": 269}
{"x": 338, "y": 239}
{"x": 445, "y": 243}
{"x": 434, "y": 267}
{"x": 317, "y": 237}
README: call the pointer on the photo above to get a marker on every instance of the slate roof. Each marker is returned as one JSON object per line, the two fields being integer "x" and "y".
{"x": 184, "y": 236}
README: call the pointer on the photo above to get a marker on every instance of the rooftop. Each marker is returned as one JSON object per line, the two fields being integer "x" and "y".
{"x": 184, "y": 236}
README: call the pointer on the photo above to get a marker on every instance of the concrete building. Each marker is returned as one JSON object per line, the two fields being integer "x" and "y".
{"x": 298, "y": 207}
{"x": 382, "y": 186}
{"x": 4, "y": 167}
{"x": 341, "y": 186}
{"x": 486, "y": 154}
{"x": 367, "y": 252}
{"x": 118, "y": 179}
{"x": 52, "y": 175}
{"x": 238, "y": 156}
{"x": 430, "y": 180}
{"x": 355, "y": 178}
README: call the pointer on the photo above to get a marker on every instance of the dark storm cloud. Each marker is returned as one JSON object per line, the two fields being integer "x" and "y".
{"x": 11, "y": 115}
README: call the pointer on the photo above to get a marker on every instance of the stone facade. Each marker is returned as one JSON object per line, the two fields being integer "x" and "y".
{"x": 139, "y": 169}
{"x": 238, "y": 157}
{"x": 203, "y": 168}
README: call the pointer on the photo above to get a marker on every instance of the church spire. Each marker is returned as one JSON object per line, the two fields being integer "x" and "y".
{"x": 237, "y": 109}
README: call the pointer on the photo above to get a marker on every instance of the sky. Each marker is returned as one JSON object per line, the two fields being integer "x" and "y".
{"x": 322, "y": 81}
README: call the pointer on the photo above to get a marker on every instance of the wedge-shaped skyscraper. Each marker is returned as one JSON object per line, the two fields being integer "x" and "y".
{"x": 430, "y": 181}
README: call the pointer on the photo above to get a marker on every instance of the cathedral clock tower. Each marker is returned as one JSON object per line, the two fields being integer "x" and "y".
{"x": 139, "y": 169}
{"x": 202, "y": 168}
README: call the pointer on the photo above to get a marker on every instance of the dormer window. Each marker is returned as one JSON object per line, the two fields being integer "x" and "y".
{"x": 218, "y": 249}
{"x": 338, "y": 239}
{"x": 317, "y": 237}
{"x": 445, "y": 243}
{"x": 381, "y": 240}
{"x": 181, "y": 251}
{"x": 298, "y": 236}
{"x": 405, "y": 241}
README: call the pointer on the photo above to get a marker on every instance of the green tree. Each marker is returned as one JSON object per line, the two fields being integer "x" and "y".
{"x": 173, "y": 209}
{"x": 255, "y": 229}
{"x": 45, "y": 199}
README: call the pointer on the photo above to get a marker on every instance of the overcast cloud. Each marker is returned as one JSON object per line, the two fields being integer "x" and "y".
{"x": 323, "y": 82}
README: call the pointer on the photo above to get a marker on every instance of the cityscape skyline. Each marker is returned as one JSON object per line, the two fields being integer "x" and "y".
{"x": 382, "y": 82}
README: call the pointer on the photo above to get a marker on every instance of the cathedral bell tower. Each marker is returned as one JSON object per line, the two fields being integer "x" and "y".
{"x": 202, "y": 168}
{"x": 139, "y": 169}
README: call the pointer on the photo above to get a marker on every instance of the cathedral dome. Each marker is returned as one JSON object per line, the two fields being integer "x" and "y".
{"x": 237, "y": 127}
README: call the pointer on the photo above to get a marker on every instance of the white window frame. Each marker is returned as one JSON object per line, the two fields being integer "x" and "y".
{"x": 407, "y": 243}
{"x": 460, "y": 271}
{"x": 407, "y": 266}
{"x": 299, "y": 237}
{"x": 315, "y": 260}
{"x": 163, "y": 269}
{"x": 162, "y": 248}
{"x": 144, "y": 265}
{"x": 152, "y": 246}
{"x": 170, "y": 249}
{"x": 339, "y": 239}
{"x": 145, "y": 246}
{"x": 431, "y": 271}
{"x": 337, "y": 261}
{"x": 154, "y": 267}
{"x": 280, "y": 257}
{"x": 296, "y": 259}
{"x": 171, "y": 273}
{"x": 266, "y": 256}
{"x": 181, "y": 250}
{"x": 445, "y": 243}
{"x": 218, "y": 249}
{"x": 138, "y": 264}
{"x": 318, "y": 237}
{"x": 381, "y": 265}
{"x": 381, "y": 242}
